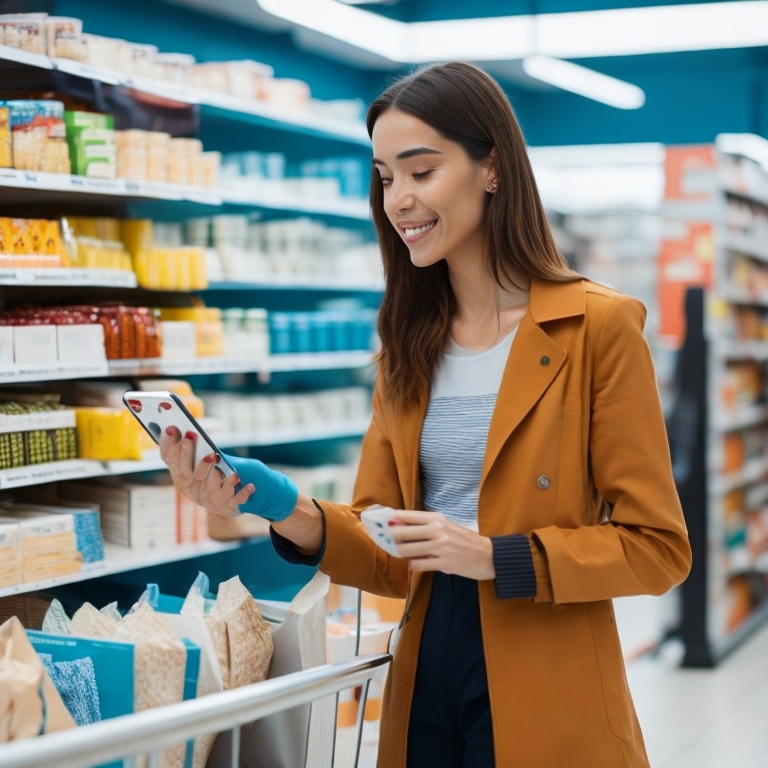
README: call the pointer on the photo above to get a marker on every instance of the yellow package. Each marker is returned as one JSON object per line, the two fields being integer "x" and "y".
{"x": 110, "y": 434}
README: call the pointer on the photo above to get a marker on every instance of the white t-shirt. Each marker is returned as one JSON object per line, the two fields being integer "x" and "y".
{"x": 455, "y": 431}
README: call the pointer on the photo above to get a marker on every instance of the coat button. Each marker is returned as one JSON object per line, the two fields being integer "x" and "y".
{"x": 543, "y": 482}
{"x": 544, "y": 360}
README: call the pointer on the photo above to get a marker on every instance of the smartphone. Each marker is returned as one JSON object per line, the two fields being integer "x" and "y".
{"x": 157, "y": 410}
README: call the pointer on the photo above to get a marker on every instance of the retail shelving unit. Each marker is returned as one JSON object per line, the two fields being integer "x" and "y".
{"x": 48, "y": 195}
{"x": 719, "y": 427}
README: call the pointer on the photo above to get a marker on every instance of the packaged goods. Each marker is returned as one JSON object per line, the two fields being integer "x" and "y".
{"x": 136, "y": 515}
{"x": 25, "y": 31}
{"x": 91, "y": 141}
{"x": 64, "y": 38}
{"x": 11, "y": 566}
{"x": 6, "y": 155}
{"x": 86, "y": 524}
{"x": 38, "y": 136}
{"x": 31, "y": 243}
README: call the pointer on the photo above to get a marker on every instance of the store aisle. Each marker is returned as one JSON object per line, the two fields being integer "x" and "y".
{"x": 692, "y": 718}
{"x": 705, "y": 718}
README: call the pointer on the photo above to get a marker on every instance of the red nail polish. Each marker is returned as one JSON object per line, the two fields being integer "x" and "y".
{"x": 391, "y": 522}
{"x": 190, "y": 435}
{"x": 172, "y": 431}
{"x": 211, "y": 458}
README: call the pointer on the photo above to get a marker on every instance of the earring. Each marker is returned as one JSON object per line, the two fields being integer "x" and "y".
{"x": 492, "y": 187}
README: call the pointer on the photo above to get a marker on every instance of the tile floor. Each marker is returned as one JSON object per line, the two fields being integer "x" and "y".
{"x": 690, "y": 718}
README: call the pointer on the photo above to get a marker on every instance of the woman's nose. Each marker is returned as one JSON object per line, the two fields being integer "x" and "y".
{"x": 401, "y": 199}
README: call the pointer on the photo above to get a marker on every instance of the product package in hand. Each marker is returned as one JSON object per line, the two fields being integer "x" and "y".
{"x": 376, "y": 521}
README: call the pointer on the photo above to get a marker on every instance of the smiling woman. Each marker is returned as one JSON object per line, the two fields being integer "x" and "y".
{"x": 517, "y": 506}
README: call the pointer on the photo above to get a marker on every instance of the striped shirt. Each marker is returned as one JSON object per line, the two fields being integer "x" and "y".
{"x": 455, "y": 431}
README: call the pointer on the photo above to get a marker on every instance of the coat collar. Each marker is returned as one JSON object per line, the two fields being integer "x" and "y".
{"x": 526, "y": 377}
{"x": 553, "y": 301}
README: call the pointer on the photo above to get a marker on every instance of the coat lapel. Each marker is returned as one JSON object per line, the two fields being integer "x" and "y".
{"x": 525, "y": 380}
{"x": 534, "y": 361}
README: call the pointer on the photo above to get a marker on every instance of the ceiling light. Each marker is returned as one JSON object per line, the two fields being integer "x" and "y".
{"x": 585, "y": 82}
{"x": 615, "y": 32}
{"x": 354, "y": 26}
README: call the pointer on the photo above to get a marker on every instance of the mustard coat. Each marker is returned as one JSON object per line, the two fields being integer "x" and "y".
{"x": 577, "y": 424}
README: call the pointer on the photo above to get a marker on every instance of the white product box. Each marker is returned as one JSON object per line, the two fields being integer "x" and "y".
{"x": 132, "y": 515}
{"x": 80, "y": 344}
{"x": 6, "y": 346}
{"x": 179, "y": 340}
{"x": 35, "y": 345}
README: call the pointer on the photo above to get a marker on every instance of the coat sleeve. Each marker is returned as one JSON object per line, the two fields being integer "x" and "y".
{"x": 351, "y": 557}
{"x": 643, "y": 547}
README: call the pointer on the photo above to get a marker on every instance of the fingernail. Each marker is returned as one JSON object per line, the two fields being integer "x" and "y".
{"x": 237, "y": 479}
{"x": 190, "y": 435}
{"x": 172, "y": 431}
{"x": 211, "y": 458}
{"x": 391, "y": 522}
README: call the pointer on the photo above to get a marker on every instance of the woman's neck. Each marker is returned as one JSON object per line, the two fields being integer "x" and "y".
{"x": 486, "y": 311}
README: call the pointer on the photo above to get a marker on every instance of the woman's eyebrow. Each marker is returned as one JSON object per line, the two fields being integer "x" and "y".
{"x": 405, "y": 154}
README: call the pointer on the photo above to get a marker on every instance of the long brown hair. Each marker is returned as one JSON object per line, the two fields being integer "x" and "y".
{"x": 465, "y": 105}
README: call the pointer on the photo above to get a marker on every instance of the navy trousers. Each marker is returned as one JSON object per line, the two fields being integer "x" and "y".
{"x": 450, "y": 725}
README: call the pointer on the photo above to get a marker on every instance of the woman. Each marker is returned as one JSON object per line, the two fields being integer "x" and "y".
{"x": 516, "y": 429}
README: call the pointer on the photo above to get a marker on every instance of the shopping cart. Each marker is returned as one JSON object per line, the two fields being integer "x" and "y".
{"x": 147, "y": 733}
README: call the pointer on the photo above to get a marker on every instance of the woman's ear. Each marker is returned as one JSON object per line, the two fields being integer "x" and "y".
{"x": 492, "y": 180}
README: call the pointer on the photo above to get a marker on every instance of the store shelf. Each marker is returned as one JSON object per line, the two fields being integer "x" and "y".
{"x": 78, "y": 469}
{"x": 744, "y": 417}
{"x": 754, "y": 194}
{"x": 741, "y": 350}
{"x": 274, "y": 364}
{"x": 754, "y": 471}
{"x": 227, "y": 106}
{"x": 344, "y": 207}
{"x": 58, "y": 372}
{"x": 68, "y": 276}
{"x": 301, "y": 282}
{"x": 40, "y": 187}
{"x": 39, "y": 184}
{"x": 201, "y": 365}
{"x": 746, "y": 245}
{"x": 121, "y": 559}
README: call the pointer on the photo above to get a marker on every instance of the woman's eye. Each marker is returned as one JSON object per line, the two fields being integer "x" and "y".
{"x": 385, "y": 182}
{"x": 422, "y": 174}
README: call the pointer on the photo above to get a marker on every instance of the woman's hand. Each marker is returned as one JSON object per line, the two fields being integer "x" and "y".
{"x": 433, "y": 543}
{"x": 204, "y": 484}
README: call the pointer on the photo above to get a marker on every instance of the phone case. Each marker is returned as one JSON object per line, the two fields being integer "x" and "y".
{"x": 157, "y": 410}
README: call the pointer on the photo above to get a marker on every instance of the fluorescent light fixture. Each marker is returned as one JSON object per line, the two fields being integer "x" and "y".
{"x": 616, "y": 32}
{"x": 585, "y": 82}
{"x": 362, "y": 29}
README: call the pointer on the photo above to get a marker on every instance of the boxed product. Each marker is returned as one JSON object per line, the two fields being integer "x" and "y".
{"x": 64, "y": 38}
{"x": 25, "y": 31}
{"x": 38, "y": 136}
{"x": 11, "y": 566}
{"x": 91, "y": 140}
{"x": 86, "y": 521}
{"x": 111, "y": 434}
{"x": 6, "y": 155}
{"x": 48, "y": 545}
{"x": 136, "y": 515}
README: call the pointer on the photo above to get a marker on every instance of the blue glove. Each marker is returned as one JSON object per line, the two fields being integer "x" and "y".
{"x": 276, "y": 494}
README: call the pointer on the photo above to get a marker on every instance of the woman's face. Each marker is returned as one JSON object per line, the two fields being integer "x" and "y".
{"x": 434, "y": 193}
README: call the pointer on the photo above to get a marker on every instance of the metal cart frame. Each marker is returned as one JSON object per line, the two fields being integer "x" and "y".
{"x": 150, "y": 731}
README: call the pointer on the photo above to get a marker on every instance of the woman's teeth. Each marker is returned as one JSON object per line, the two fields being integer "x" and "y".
{"x": 409, "y": 232}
